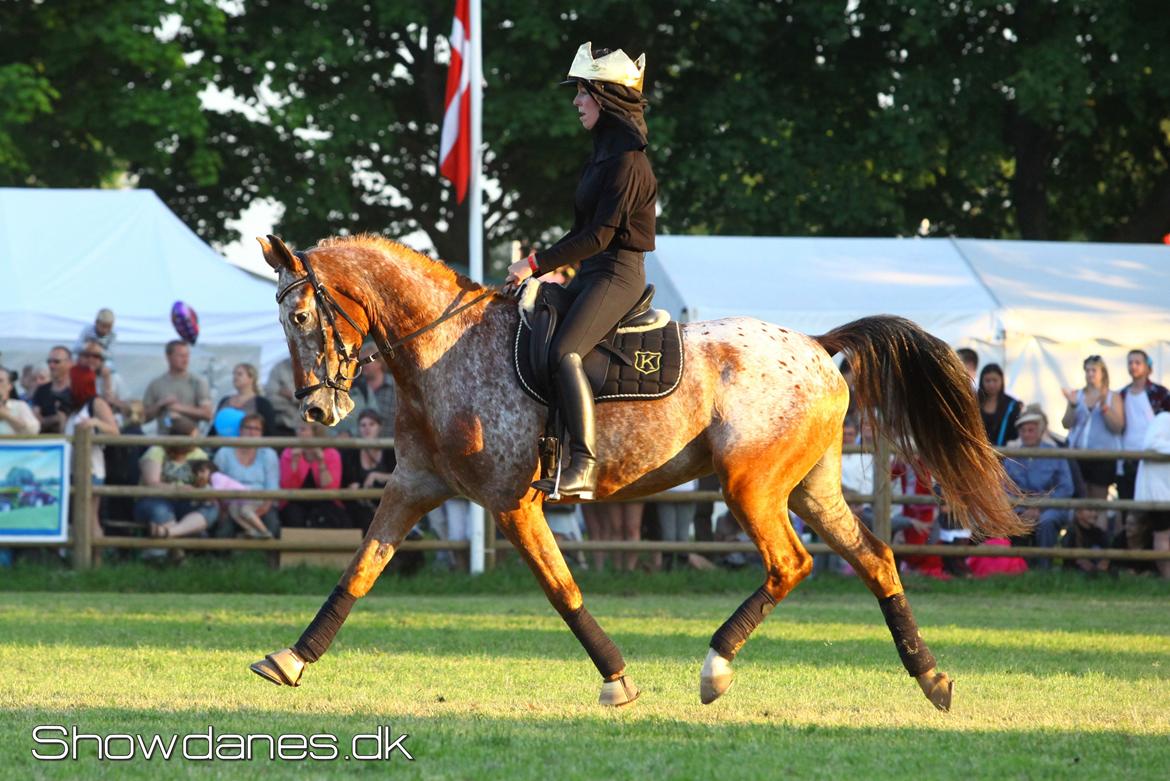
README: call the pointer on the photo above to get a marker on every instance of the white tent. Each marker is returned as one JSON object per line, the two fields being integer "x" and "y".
{"x": 1037, "y": 308}
{"x": 64, "y": 254}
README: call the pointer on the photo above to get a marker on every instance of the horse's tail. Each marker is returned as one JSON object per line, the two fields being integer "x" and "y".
{"x": 917, "y": 393}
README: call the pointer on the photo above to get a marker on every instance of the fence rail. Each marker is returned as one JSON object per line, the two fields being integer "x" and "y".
{"x": 83, "y": 543}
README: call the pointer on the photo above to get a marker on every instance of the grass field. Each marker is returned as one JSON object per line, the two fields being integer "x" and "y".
{"x": 1072, "y": 681}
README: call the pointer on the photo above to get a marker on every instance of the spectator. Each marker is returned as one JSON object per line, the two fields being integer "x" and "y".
{"x": 970, "y": 360}
{"x": 109, "y": 384}
{"x": 1142, "y": 399}
{"x": 245, "y": 513}
{"x": 1153, "y": 484}
{"x": 674, "y": 522}
{"x": 1095, "y": 418}
{"x": 597, "y": 528}
{"x": 171, "y": 467}
{"x": 381, "y": 394}
{"x": 52, "y": 401}
{"x": 247, "y": 398}
{"x": 280, "y": 390}
{"x": 100, "y": 331}
{"x": 999, "y": 410}
{"x": 451, "y": 521}
{"x": 312, "y": 467}
{"x": 16, "y": 416}
{"x": 253, "y": 467}
{"x": 366, "y": 468}
{"x": 857, "y": 473}
{"x": 90, "y": 411}
{"x": 1048, "y": 477}
{"x": 177, "y": 395}
{"x": 32, "y": 377}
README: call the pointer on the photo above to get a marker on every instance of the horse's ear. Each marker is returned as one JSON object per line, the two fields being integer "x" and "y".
{"x": 279, "y": 256}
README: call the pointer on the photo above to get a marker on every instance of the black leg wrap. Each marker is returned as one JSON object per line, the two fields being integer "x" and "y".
{"x": 730, "y": 637}
{"x": 319, "y": 636}
{"x": 916, "y": 657}
{"x": 601, "y": 650}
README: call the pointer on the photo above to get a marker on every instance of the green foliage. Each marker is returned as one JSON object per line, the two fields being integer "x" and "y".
{"x": 989, "y": 119}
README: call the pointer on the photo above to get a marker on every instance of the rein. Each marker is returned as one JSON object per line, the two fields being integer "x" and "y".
{"x": 328, "y": 306}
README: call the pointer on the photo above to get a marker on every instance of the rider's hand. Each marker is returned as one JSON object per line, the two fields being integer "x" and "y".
{"x": 519, "y": 271}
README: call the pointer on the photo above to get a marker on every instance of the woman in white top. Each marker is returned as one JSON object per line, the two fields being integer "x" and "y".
{"x": 1153, "y": 485}
{"x": 16, "y": 417}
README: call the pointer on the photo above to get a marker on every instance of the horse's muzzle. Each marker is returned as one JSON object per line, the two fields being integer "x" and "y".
{"x": 326, "y": 406}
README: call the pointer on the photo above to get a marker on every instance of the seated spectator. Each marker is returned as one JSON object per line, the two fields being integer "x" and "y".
{"x": 280, "y": 390}
{"x": 366, "y": 468}
{"x": 16, "y": 416}
{"x": 674, "y": 523}
{"x": 244, "y": 512}
{"x": 1048, "y": 477}
{"x": 177, "y": 394}
{"x": 1153, "y": 484}
{"x": 999, "y": 410}
{"x": 90, "y": 411}
{"x": 857, "y": 471}
{"x": 31, "y": 378}
{"x": 247, "y": 398}
{"x": 171, "y": 467}
{"x": 52, "y": 401}
{"x": 109, "y": 384}
{"x": 253, "y": 467}
{"x": 100, "y": 331}
{"x": 312, "y": 467}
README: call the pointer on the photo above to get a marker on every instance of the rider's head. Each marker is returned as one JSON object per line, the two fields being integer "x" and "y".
{"x": 609, "y": 84}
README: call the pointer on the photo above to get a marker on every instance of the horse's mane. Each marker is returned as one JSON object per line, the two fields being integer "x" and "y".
{"x": 429, "y": 266}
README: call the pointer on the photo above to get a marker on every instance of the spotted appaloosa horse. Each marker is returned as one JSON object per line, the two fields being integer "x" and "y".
{"x": 758, "y": 405}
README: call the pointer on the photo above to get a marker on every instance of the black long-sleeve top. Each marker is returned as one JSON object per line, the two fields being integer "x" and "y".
{"x": 614, "y": 205}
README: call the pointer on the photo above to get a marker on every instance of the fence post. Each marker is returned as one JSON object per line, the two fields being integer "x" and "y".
{"x": 82, "y": 498}
{"x": 881, "y": 489}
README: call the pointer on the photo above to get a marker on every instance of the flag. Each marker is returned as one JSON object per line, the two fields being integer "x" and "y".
{"x": 455, "y": 141}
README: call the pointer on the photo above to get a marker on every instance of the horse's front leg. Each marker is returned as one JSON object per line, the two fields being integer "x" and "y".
{"x": 406, "y": 498}
{"x": 527, "y": 529}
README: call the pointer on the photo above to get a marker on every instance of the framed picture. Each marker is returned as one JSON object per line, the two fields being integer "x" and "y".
{"x": 34, "y": 490}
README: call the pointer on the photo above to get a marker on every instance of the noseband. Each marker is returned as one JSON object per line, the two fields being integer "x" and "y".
{"x": 329, "y": 308}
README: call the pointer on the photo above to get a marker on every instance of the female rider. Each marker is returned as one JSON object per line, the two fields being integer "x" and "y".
{"x": 613, "y": 225}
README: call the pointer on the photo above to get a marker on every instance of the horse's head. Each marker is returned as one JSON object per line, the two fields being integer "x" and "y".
{"x": 324, "y": 336}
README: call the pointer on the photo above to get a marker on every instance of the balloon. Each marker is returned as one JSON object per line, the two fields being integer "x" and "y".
{"x": 227, "y": 422}
{"x": 186, "y": 322}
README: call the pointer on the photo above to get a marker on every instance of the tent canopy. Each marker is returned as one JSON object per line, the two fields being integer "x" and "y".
{"x": 64, "y": 254}
{"x": 1037, "y": 308}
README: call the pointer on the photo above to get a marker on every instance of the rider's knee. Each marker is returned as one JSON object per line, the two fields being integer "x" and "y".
{"x": 566, "y": 360}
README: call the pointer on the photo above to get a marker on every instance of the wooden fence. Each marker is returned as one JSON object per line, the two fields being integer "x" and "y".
{"x": 83, "y": 542}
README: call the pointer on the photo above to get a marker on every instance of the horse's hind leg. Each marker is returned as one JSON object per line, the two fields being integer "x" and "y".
{"x": 819, "y": 502}
{"x": 526, "y": 528}
{"x": 760, "y": 507}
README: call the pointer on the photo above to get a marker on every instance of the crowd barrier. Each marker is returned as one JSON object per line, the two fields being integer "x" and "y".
{"x": 83, "y": 543}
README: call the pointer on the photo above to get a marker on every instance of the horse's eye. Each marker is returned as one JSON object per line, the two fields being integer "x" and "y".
{"x": 301, "y": 318}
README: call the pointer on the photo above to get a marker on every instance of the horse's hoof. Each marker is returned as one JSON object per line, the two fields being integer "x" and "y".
{"x": 615, "y": 694}
{"x": 938, "y": 688}
{"x": 716, "y": 677}
{"x": 283, "y": 668}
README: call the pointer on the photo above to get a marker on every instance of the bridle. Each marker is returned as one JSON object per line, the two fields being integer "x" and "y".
{"x": 328, "y": 307}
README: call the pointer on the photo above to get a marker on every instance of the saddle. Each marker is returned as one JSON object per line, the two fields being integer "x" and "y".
{"x": 640, "y": 358}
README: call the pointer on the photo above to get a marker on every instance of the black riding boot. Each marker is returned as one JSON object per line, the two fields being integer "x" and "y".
{"x": 579, "y": 479}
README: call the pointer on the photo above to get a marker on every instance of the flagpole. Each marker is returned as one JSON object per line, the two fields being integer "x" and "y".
{"x": 475, "y": 229}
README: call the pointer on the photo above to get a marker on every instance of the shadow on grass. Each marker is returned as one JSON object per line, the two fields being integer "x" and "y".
{"x": 601, "y": 744}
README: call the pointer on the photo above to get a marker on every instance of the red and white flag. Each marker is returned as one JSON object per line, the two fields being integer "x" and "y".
{"x": 455, "y": 141}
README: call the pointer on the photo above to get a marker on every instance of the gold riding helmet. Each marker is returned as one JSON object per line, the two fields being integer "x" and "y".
{"x": 615, "y": 67}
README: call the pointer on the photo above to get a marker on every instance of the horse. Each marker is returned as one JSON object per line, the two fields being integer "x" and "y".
{"x": 758, "y": 405}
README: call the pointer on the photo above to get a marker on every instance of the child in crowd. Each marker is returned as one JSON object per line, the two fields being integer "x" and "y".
{"x": 243, "y": 511}
{"x": 102, "y": 332}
